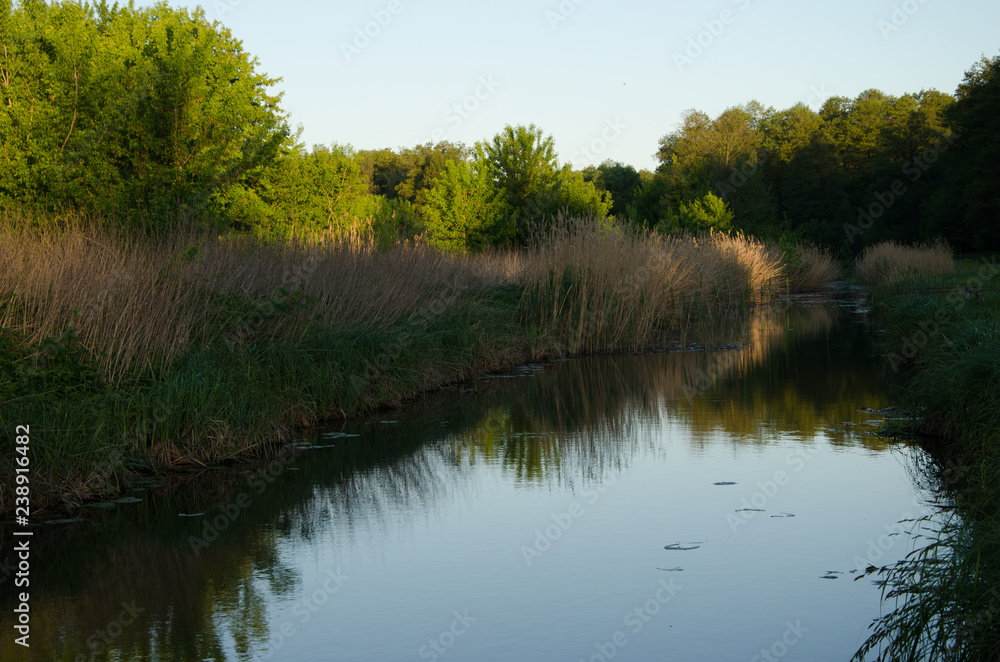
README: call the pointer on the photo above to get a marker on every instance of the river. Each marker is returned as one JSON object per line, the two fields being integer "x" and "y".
{"x": 713, "y": 502}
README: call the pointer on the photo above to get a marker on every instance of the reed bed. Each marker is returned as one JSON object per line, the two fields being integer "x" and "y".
{"x": 597, "y": 287}
{"x": 810, "y": 269}
{"x": 129, "y": 351}
{"x": 135, "y": 303}
{"x": 890, "y": 261}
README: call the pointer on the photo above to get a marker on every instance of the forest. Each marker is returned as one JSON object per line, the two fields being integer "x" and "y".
{"x": 153, "y": 115}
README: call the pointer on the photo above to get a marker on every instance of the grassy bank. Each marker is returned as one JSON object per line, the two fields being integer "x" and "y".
{"x": 127, "y": 354}
{"x": 943, "y": 340}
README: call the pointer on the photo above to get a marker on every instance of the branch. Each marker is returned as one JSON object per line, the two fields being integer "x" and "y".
{"x": 76, "y": 103}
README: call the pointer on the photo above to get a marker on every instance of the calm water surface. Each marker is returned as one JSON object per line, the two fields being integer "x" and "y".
{"x": 689, "y": 505}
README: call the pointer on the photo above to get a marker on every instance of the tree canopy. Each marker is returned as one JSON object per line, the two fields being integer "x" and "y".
{"x": 156, "y": 113}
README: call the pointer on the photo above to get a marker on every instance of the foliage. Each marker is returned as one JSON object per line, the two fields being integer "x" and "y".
{"x": 465, "y": 211}
{"x": 967, "y": 207}
{"x": 122, "y": 108}
{"x": 707, "y": 213}
{"x": 944, "y": 347}
{"x": 621, "y": 182}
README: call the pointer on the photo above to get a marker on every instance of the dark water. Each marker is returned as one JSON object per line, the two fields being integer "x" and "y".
{"x": 690, "y": 505}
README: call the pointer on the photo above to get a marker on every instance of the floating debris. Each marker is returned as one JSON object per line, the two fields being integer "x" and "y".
{"x": 684, "y": 546}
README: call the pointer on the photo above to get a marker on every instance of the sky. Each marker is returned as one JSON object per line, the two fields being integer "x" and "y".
{"x": 606, "y": 79}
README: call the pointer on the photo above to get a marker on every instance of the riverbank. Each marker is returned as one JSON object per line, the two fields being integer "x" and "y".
{"x": 943, "y": 341}
{"x": 127, "y": 355}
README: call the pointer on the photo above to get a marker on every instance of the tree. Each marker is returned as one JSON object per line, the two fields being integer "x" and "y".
{"x": 523, "y": 165}
{"x": 316, "y": 189}
{"x": 619, "y": 180}
{"x": 422, "y": 165}
{"x": 707, "y": 213}
{"x": 578, "y": 197}
{"x": 124, "y": 109}
{"x": 967, "y": 207}
{"x": 465, "y": 211}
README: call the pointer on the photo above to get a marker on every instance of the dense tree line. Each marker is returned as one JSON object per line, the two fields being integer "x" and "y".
{"x": 151, "y": 113}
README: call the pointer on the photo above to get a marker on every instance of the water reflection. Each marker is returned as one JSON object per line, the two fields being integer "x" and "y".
{"x": 144, "y": 583}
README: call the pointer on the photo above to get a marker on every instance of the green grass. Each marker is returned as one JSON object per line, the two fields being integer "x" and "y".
{"x": 229, "y": 399}
{"x": 943, "y": 339}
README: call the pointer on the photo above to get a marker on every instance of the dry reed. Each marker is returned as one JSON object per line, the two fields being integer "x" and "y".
{"x": 135, "y": 303}
{"x": 810, "y": 269}
{"x": 890, "y": 261}
{"x": 589, "y": 285}
{"x": 599, "y": 287}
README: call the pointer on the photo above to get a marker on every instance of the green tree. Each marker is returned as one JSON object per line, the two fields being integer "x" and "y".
{"x": 523, "y": 165}
{"x": 619, "y": 180}
{"x": 465, "y": 211}
{"x": 423, "y": 165}
{"x": 578, "y": 197}
{"x": 707, "y": 213}
{"x": 317, "y": 189}
{"x": 114, "y": 108}
{"x": 966, "y": 208}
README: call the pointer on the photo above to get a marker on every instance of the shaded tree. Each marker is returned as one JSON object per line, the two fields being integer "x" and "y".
{"x": 967, "y": 206}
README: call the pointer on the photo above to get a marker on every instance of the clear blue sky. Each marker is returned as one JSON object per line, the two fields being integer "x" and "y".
{"x": 582, "y": 68}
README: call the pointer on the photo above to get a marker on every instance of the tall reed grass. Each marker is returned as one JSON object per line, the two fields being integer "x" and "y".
{"x": 809, "y": 268}
{"x": 597, "y": 287}
{"x": 891, "y": 261}
{"x": 199, "y": 346}
{"x": 136, "y": 303}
